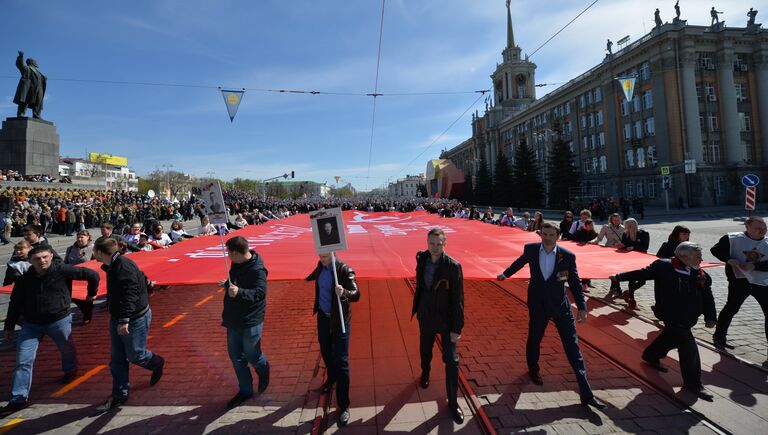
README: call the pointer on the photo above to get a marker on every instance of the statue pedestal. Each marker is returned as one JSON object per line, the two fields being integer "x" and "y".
{"x": 717, "y": 27}
{"x": 30, "y": 146}
{"x": 754, "y": 28}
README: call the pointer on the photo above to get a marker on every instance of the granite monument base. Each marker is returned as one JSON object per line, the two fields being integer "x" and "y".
{"x": 29, "y": 146}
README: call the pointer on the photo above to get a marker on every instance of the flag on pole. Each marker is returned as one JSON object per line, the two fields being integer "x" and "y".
{"x": 628, "y": 85}
{"x": 232, "y": 99}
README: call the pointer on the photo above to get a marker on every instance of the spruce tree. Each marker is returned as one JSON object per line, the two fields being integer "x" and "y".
{"x": 563, "y": 174}
{"x": 525, "y": 178}
{"x": 484, "y": 186}
{"x": 468, "y": 195}
{"x": 503, "y": 189}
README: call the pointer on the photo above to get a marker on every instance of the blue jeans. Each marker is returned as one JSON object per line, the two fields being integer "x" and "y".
{"x": 244, "y": 346}
{"x": 30, "y": 336}
{"x": 334, "y": 347}
{"x": 131, "y": 348}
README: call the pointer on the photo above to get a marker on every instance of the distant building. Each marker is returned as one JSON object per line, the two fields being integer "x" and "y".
{"x": 408, "y": 186}
{"x": 312, "y": 189}
{"x": 98, "y": 175}
{"x": 701, "y": 96}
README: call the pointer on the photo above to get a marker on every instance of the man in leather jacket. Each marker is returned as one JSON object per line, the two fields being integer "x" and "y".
{"x": 438, "y": 303}
{"x": 334, "y": 345}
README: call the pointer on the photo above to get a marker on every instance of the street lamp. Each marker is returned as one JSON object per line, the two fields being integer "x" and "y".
{"x": 546, "y": 136}
{"x": 168, "y": 177}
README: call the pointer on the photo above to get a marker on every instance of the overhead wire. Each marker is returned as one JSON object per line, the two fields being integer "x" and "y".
{"x": 563, "y": 28}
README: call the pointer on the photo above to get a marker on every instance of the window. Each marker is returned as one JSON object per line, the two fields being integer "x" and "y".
{"x": 586, "y": 166}
{"x": 698, "y": 92}
{"x": 599, "y": 117}
{"x": 594, "y": 165}
{"x": 585, "y": 143}
{"x": 648, "y": 100}
{"x": 640, "y": 190}
{"x": 582, "y": 102}
{"x": 705, "y": 61}
{"x": 710, "y": 91}
{"x": 745, "y": 121}
{"x": 640, "y": 157}
{"x": 567, "y": 128}
{"x": 746, "y": 148}
{"x": 601, "y": 140}
{"x": 636, "y": 103}
{"x": 589, "y": 97}
{"x": 651, "y": 189}
{"x": 592, "y": 141}
{"x": 583, "y": 121}
{"x": 625, "y": 107}
{"x": 720, "y": 185}
{"x": 652, "y": 160}
{"x": 627, "y": 132}
{"x": 630, "y": 158}
{"x": 567, "y": 108}
{"x": 712, "y": 151}
{"x": 603, "y": 164}
{"x": 650, "y": 127}
{"x": 741, "y": 93}
{"x": 591, "y": 120}
{"x": 598, "y": 95}
{"x": 714, "y": 125}
{"x": 645, "y": 71}
{"x": 628, "y": 189}
{"x": 638, "y": 129}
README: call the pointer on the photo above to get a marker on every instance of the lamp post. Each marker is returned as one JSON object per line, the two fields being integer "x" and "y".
{"x": 546, "y": 135}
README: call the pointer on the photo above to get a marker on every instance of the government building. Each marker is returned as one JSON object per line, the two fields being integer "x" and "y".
{"x": 700, "y": 97}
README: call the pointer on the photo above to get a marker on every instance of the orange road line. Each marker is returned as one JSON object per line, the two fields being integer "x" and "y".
{"x": 204, "y": 300}
{"x": 10, "y": 425}
{"x": 175, "y": 319}
{"x": 79, "y": 380}
{"x": 220, "y": 290}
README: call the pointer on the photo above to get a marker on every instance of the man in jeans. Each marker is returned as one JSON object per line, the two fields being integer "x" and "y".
{"x": 245, "y": 302}
{"x": 41, "y": 295}
{"x": 128, "y": 305}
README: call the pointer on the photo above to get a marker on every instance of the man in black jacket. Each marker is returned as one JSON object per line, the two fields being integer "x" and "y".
{"x": 128, "y": 305}
{"x": 334, "y": 345}
{"x": 439, "y": 306}
{"x": 245, "y": 303}
{"x": 683, "y": 292}
{"x": 746, "y": 257}
{"x": 41, "y": 295}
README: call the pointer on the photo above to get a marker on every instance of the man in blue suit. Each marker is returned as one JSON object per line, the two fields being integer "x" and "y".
{"x": 551, "y": 267}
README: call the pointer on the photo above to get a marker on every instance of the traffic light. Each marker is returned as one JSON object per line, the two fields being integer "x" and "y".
{"x": 292, "y": 175}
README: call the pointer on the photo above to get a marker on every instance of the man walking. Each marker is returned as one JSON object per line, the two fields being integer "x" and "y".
{"x": 334, "y": 345}
{"x": 683, "y": 292}
{"x": 128, "y": 304}
{"x": 746, "y": 258}
{"x": 245, "y": 302}
{"x": 439, "y": 306}
{"x": 42, "y": 297}
{"x": 551, "y": 266}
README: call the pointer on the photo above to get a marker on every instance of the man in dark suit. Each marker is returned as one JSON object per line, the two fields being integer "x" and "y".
{"x": 439, "y": 305}
{"x": 551, "y": 267}
{"x": 329, "y": 234}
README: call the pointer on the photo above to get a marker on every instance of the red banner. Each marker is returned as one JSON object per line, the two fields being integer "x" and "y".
{"x": 381, "y": 246}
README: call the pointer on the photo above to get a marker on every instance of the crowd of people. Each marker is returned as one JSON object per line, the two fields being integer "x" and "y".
{"x": 11, "y": 175}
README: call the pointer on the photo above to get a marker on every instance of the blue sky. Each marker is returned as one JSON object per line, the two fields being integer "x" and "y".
{"x": 427, "y": 46}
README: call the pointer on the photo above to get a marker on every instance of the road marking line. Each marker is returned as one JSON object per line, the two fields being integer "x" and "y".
{"x": 10, "y": 425}
{"x": 175, "y": 319}
{"x": 79, "y": 380}
{"x": 220, "y": 290}
{"x": 204, "y": 300}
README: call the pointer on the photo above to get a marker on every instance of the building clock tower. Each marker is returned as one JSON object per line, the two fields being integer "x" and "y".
{"x": 514, "y": 85}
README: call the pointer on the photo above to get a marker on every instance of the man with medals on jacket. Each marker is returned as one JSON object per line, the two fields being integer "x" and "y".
{"x": 334, "y": 344}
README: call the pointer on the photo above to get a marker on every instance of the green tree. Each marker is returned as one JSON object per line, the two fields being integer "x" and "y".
{"x": 525, "y": 176}
{"x": 484, "y": 187}
{"x": 421, "y": 190}
{"x": 563, "y": 174}
{"x": 503, "y": 189}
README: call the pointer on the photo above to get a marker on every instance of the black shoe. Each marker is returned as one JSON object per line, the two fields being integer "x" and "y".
{"x": 536, "y": 378}
{"x": 326, "y": 387}
{"x": 424, "y": 380}
{"x": 344, "y": 417}
{"x": 721, "y": 343}
{"x": 457, "y": 413}
{"x": 12, "y": 407}
{"x": 238, "y": 400}
{"x": 111, "y": 403}
{"x": 157, "y": 372}
{"x": 264, "y": 381}
{"x": 656, "y": 364}
{"x": 69, "y": 377}
{"x": 593, "y": 402}
{"x": 699, "y": 391}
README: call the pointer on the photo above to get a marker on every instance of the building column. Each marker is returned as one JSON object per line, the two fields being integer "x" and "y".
{"x": 729, "y": 115}
{"x": 761, "y": 70}
{"x": 693, "y": 145}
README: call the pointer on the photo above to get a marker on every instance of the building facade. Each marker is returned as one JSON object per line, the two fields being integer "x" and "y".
{"x": 701, "y": 95}
{"x": 406, "y": 187}
{"x": 89, "y": 174}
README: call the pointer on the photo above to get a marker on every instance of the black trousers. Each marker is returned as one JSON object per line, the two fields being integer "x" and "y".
{"x": 450, "y": 357}
{"x": 680, "y": 338}
{"x": 738, "y": 291}
{"x": 334, "y": 347}
{"x": 537, "y": 325}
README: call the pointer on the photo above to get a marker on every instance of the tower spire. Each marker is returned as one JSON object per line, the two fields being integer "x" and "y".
{"x": 510, "y": 34}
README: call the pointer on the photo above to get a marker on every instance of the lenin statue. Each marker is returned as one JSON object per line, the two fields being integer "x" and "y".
{"x": 31, "y": 89}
